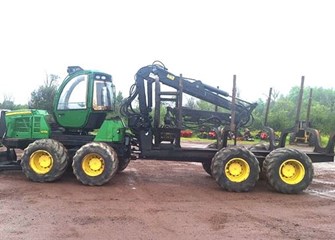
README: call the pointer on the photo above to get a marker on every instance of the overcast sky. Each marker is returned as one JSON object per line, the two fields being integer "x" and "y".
{"x": 265, "y": 43}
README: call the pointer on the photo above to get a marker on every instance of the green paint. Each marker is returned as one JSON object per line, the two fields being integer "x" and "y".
{"x": 112, "y": 130}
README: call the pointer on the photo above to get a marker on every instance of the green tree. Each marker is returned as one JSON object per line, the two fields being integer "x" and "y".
{"x": 119, "y": 98}
{"x": 258, "y": 115}
{"x": 322, "y": 109}
{"x": 43, "y": 97}
{"x": 20, "y": 106}
{"x": 118, "y": 101}
{"x": 203, "y": 105}
{"x": 283, "y": 110}
{"x": 8, "y": 103}
{"x": 191, "y": 103}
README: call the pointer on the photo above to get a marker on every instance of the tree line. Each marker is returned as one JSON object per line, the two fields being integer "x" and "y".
{"x": 282, "y": 112}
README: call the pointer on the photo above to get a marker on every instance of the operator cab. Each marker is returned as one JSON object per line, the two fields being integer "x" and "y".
{"x": 84, "y": 99}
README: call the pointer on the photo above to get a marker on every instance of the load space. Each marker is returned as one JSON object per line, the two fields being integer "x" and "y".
{"x": 85, "y": 133}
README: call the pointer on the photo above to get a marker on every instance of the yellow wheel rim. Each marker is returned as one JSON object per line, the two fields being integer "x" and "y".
{"x": 93, "y": 164}
{"x": 41, "y": 162}
{"x": 237, "y": 170}
{"x": 292, "y": 171}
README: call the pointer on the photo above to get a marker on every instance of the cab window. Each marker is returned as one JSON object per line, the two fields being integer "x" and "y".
{"x": 74, "y": 94}
{"x": 103, "y": 95}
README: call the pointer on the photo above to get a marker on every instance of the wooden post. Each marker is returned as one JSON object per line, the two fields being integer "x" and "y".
{"x": 267, "y": 108}
{"x": 301, "y": 93}
{"x": 232, "y": 120}
{"x": 216, "y": 106}
{"x": 157, "y": 111}
{"x": 179, "y": 105}
{"x": 309, "y": 107}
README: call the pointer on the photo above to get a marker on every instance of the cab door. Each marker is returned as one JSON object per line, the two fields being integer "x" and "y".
{"x": 72, "y": 107}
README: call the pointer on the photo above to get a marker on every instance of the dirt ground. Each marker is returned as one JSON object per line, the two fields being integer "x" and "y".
{"x": 164, "y": 200}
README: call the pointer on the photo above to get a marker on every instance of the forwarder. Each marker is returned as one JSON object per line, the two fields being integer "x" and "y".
{"x": 84, "y": 131}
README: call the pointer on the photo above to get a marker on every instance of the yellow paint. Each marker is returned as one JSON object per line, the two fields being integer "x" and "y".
{"x": 237, "y": 170}
{"x": 41, "y": 162}
{"x": 18, "y": 113}
{"x": 170, "y": 76}
{"x": 292, "y": 171}
{"x": 93, "y": 165}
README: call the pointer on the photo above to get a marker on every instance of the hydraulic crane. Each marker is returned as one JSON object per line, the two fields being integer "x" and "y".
{"x": 148, "y": 90}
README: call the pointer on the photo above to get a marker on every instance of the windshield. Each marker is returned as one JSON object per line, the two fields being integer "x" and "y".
{"x": 74, "y": 94}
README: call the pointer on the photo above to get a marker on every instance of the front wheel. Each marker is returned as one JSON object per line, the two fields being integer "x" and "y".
{"x": 288, "y": 170}
{"x": 235, "y": 169}
{"x": 44, "y": 160}
{"x": 95, "y": 163}
{"x": 123, "y": 163}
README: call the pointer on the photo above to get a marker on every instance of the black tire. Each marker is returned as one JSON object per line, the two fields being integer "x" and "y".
{"x": 312, "y": 140}
{"x": 123, "y": 164}
{"x": 238, "y": 159}
{"x": 298, "y": 174}
{"x": 259, "y": 146}
{"x": 95, "y": 163}
{"x": 207, "y": 164}
{"x": 292, "y": 138}
{"x": 44, "y": 160}
{"x": 213, "y": 145}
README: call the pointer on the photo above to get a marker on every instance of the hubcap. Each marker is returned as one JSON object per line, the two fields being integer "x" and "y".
{"x": 93, "y": 164}
{"x": 237, "y": 170}
{"x": 41, "y": 162}
{"x": 291, "y": 171}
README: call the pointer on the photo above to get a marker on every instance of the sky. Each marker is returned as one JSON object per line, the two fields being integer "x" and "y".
{"x": 265, "y": 43}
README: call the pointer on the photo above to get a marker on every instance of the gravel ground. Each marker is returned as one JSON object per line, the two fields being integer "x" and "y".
{"x": 163, "y": 200}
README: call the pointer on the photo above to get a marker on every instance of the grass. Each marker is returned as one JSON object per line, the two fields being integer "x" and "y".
{"x": 196, "y": 139}
{"x": 230, "y": 142}
{"x": 324, "y": 140}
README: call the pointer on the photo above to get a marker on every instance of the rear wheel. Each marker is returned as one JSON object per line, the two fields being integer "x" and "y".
{"x": 288, "y": 170}
{"x": 44, "y": 160}
{"x": 95, "y": 163}
{"x": 207, "y": 164}
{"x": 312, "y": 140}
{"x": 235, "y": 169}
{"x": 292, "y": 138}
